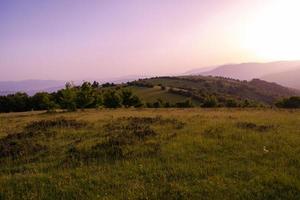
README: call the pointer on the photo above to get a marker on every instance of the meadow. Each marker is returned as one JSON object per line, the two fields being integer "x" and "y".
{"x": 193, "y": 153}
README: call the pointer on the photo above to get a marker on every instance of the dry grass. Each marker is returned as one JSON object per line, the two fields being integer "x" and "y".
{"x": 151, "y": 154}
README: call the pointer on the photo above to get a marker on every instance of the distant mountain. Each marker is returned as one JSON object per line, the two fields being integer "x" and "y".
{"x": 33, "y": 86}
{"x": 4, "y": 93}
{"x": 123, "y": 79}
{"x": 289, "y": 78}
{"x": 249, "y": 71}
{"x": 30, "y": 86}
{"x": 199, "y": 71}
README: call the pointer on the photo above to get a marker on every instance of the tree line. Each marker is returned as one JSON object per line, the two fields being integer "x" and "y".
{"x": 109, "y": 95}
{"x": 87, "y": 95}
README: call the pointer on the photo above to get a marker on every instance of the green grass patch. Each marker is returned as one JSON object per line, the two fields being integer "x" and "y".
{"x": 151, "y": 154}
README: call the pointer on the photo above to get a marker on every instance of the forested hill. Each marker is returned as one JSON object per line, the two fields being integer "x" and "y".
{"x": 183, "y": 91}
{"x": 201, "y": 87}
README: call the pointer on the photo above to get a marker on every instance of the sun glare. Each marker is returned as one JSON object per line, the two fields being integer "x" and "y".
{"x": 275, "y": 32}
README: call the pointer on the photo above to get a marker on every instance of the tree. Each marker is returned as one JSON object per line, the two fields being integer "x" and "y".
{"x": 136, "y": 102}
{"x": 18, "y": 102}
{"x": 4, "y": 104}
{"x": 108, "y": 85}
{"x": 98, "y": 99}
{"x": 68, "y": 97}
{"x": 84, "y": 97}
{"x": 128, "y": 99}
{"x": 42, "y": 101}
{"x": 111, "y": 99}
{"x": 95, "y": 85}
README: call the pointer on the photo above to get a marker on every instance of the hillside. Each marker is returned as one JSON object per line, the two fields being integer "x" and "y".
{"x": 249, "y": 71}
{"x": 151, "y": 154}
{"x": 289, "y": 78}
{"x": 199, "y": 87}
{"x": 157, "y": 92}
{"x": 151, "y": 95}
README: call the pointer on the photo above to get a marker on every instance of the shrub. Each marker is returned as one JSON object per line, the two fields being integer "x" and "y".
{"x": 210, "y": 102}
{"x": 185, "y": 104}
{"x": 292, "y": 102}
{"x": 231, "y": 103}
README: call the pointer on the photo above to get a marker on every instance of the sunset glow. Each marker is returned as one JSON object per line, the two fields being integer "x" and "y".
{"x": 39, "y": 38}
{"x": 274, "y": 33}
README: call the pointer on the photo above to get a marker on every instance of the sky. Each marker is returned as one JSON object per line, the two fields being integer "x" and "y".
{"x": 95, "y": 39}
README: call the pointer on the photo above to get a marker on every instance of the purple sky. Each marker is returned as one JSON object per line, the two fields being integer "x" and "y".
{"x": 79, "y": 39}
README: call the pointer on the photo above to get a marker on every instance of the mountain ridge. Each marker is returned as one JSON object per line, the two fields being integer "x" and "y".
{"x": 270, "y": 71}
{"x": 288, "y": 78}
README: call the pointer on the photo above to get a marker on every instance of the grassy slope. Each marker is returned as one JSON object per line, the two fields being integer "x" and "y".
{"x": 152, "y": 94}
{"x": 218, "y": 154}
{"x": 257, "y": 90}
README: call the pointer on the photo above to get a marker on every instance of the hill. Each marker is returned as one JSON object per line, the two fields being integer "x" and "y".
{"x": 249, "y": 71}
{"x": 152, "y": 94}
{"x": 157, "y": 92}
{"x": 288, "y": 78}
{"x": 200, "y": 87}
{"x": 151, "y": 154}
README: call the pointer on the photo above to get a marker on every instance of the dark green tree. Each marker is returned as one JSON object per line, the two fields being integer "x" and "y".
{"x": 42, "y": 101}
{"x": 111, "y": 99}
{"x": 129, "y": 100}
{"x": 68, "y": 97}
{"x": 98, "y": 99}
{"x": 18, "y": 102}
{"x": 85, "y": 97}
{"x": 292, "y": 102}
{"x": 95, "y": 85}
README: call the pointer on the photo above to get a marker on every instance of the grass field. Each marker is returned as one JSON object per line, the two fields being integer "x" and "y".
{"x": 151, "y": 95}
{"x": 151, "y": 154}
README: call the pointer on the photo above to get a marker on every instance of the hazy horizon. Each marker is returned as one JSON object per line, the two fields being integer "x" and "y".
{"x": 76, "y": 40}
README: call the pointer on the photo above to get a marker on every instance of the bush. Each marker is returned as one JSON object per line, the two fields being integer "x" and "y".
{"x": 210, "y": 102}
{"x": 231, "y": 103}
{"x": 185, "y": 104}
{"x": 292, "y": 102}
